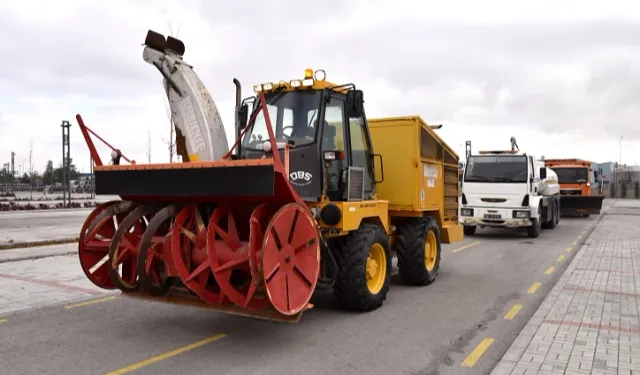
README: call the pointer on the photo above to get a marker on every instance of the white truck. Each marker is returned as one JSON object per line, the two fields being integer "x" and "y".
{"x": 508, "y": 189}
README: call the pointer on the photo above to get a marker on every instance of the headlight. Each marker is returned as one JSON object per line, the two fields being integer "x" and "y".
{"x": 466, "y": 212}
{"x": 520, "y": 214}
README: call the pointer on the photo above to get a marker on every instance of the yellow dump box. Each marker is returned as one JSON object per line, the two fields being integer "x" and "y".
{"x": 420, "y": 173}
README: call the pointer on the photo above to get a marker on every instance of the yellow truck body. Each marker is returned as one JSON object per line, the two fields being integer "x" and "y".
{"x": 420, "y": 172}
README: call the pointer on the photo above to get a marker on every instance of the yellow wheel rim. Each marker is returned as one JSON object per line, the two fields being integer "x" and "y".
{"x": 376, "y": 268}
{"x": 430, "y": 251}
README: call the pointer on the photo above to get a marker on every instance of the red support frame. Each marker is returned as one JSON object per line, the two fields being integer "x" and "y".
{"x": 92, "y": 148}
{"x": 278, "y": 164}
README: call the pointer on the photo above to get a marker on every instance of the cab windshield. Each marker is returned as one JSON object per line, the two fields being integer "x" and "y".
{"x": 507, "y": 169}
{"x": 293, "y": 115}
{"x": 571, "y": 175}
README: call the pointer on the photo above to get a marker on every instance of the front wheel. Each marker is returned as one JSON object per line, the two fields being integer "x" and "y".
{"x": 534, "y": 230}
{"x": 364, "y": 268}
{"x": 469, "y": 230}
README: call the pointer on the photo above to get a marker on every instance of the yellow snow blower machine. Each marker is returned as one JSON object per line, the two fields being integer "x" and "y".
{"x": 311, "y": 196}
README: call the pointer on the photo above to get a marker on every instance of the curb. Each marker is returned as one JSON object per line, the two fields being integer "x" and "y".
{"x": 36, "y": 257}
{"x": 42, "y": 207}
{"x": 22, "y": 245}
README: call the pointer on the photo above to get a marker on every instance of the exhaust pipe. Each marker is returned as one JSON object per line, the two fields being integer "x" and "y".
{"x": 238, "y": 106}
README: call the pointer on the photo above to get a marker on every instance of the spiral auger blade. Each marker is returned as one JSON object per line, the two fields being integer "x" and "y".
{"x": 189, "y": 254}
{"x": 229, "y": 258}
{"x": 95, "y": 240}
{"x": 123, "y": 249}
{"x": 155, "y": 265}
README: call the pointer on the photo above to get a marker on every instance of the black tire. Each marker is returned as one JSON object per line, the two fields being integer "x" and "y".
{"x": 469, "y": 230}
{"x": 534, "y": 230}
{"x": 412, "y": 238}
{"x": 554, "y": 217}
{"x": 351, "y": 253}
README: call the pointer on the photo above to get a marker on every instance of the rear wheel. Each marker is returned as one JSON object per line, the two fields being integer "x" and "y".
{"x": 419, "y": 251}
{"x": 364, "y": 268}
{"x": 554, "y": 217}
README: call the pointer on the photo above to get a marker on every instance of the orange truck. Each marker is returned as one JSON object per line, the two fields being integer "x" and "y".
{"x": 577, "y": 186}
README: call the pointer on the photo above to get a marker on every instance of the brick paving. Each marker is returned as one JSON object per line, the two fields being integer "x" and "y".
{"x": 589, "y": 323}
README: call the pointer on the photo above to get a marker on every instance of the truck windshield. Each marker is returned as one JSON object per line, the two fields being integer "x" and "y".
{"x": 508, "y": 169}
{"x": 571, "y": 175}
{"x": 293, "y": 117}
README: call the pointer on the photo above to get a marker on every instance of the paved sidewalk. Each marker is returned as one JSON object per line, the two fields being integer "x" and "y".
{"x": 589, "y": 323}
{"x": 42, "y": 282}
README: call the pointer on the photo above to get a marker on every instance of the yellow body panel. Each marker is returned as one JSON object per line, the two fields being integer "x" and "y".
{"x": 421, "y": 175}
{"x": 420, "y": 172}
{"x": 353, "y": 213}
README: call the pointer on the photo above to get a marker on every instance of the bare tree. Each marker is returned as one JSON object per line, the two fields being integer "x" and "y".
{"x": 148, "y": 144}
{"x": 31, "y": 169}
{"x": 171, "y": 143}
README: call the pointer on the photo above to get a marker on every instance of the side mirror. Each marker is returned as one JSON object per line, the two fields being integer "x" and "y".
{"x": 543, "y": 173}
{"x": 354, "y": 103}
{"x": 243, "y": 115}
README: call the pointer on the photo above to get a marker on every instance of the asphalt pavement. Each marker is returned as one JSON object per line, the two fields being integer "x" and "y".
{"x": 488, "y": 288}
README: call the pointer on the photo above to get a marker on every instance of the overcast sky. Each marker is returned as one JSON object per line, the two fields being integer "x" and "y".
{"x": 562, "y": 77}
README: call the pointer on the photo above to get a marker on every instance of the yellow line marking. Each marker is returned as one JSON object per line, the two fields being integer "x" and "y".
{"x": 97, "y": 300}
{"x": 560, "y": 258}
{"x": 475, "y": 355}
{"x": 574, "y": 242}
{"x": 512, "y": 313}
{"x": 3, "y": 320}
{"x": 534, "y": 287}
{"x": 166, "y": 355}
{"x": 465, "y": 247}
{"x": 569, "y": 249}
{"x": 550, "y": 270}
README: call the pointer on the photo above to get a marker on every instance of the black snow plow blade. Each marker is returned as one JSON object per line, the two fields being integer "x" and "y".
{"x": 581, "y": 204}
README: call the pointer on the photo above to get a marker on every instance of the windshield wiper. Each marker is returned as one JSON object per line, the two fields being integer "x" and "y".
{"x": 476, "y": 179}
{"x": 502, "y": 179}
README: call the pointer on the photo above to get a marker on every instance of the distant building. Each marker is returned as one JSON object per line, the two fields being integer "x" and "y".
{"x": 83, "y": 183}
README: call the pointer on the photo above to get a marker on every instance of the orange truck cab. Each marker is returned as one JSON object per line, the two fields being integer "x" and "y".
{"x": 577, "y": 186}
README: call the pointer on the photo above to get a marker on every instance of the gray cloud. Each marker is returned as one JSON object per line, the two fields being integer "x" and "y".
{"x": 578, "y": 75}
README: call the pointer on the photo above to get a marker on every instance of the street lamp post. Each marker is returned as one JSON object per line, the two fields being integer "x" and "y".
{"x": 620, "y": 152}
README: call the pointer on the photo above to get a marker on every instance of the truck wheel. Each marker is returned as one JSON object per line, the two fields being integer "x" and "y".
{"x": 364, "y": 268}
{"x": 419, "y": 250}
{"x": 534, "y": 230}
{"x": 554, "y": 217}
{"x": 469, "y": 230}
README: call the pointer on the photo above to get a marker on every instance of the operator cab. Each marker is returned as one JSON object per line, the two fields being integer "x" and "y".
{"x": 572, "y": 174}
{"x": 325, "y": 128}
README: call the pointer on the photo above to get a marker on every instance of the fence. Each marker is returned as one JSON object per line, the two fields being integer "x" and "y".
{"x": 10, "y": 189}
{"x": 624, "y": 184}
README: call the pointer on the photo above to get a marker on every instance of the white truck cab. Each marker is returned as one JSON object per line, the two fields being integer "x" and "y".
{"x": 509, "y": 189}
